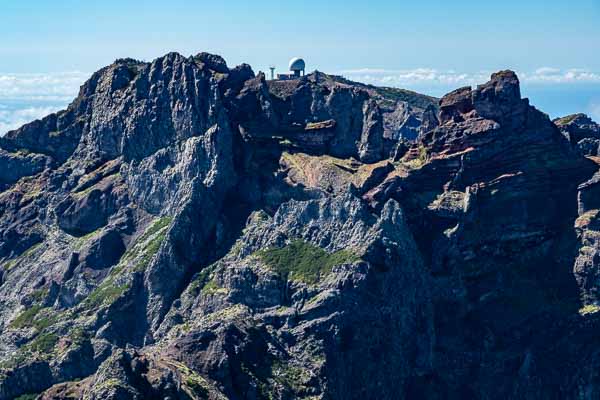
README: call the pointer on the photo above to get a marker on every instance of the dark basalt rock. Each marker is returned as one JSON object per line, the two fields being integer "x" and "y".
{"x": 86, "y": 211}
{"x": 363, "y": 127}
{"x": 582, "y": 132}
{"x": 492, "y": 201}
{"x": 213, "y": 62}
{"x": 14, "y": 166}
{"x": 103, "y": 251}
{"x": 577, "y": 127}
{"x": 456, "y": 104}
{"x": 187, "y": 230}
{"x": 36, "y": 376}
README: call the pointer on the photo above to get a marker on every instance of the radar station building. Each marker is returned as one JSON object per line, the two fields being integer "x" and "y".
{"x": 297, "y": 69}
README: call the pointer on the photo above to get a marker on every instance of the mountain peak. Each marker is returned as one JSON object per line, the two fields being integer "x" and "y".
{"x": 188, "y": 230}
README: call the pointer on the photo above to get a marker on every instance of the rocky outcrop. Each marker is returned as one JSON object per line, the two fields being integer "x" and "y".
{"x": 300, "y": 332}
{"x": 188, "y": 230}
{"x": 582, "y": 132}
{"x": 15, "y": 166}
{"x": 324, "y": 114}
{"x": 491, "y": 194}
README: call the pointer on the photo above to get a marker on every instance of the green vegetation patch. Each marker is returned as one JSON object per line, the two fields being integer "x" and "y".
{"x": 148, "y": 244}
{"x": 26, "y": 318}
{"x": 142, "y": 252}
{"x": 44, "y": 343}
{"x": 83, "y": 192}
{"x": 37, "y": 317}
{"x": 272, "y": 375}
{"x": 29, "y": 396}
{"x": 11, "y": 263}
{"x": 18, "y": 358}
{"x": 85, "y": 238}
{"x": 78, "y": 336}
{"x": 40, "y": 295}
{"x": 197, "y": 385}
{"x": 110, "y": 383}
{"x": 205, "y": 283}
{"x": 156, "y": 226}
{"x": 193, "y": 382}
{"x": 104, "y": 294}
{"x": 419, "y": 161}
{"x": 149, "y": 251}
{"x": 566, "y": 120}
{"x": 213, "y": 287}
{"x": 200, "y": 281}
{"x": 210, "y": 286}
{"x": 395, "y": 94}
{"x": 289, "y": 376}
{"x": 304, "y": 262}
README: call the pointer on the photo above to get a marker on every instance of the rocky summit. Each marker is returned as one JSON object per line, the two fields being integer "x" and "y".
{"x": 187, "y": 230}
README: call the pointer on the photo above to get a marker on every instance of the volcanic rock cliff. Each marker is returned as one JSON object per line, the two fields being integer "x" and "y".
{"x": 581, "y": 131}
{"x": 187, "y": 230}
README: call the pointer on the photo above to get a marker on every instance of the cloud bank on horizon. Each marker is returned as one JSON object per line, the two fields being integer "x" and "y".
{"x": 13, "y": 117}
{"x": 55, "y": 86}
{"x": 26, "y": 97}
{"x": 433, "y": 76}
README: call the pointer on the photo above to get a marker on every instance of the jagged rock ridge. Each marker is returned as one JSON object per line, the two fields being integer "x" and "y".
{"x": 188, "y": 230}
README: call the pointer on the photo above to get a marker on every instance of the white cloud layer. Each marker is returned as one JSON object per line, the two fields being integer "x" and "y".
{"x": 555, "y": 75}
{"x": 27, "y": 97}
{"x": 428, "y": 76}
{"x": 410, "y": 77}
{"x": 14, "y": 118}
{"x": 59, "y": 86}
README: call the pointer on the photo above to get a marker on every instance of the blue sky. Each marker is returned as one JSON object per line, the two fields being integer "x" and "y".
{"x": 49, "y": 47}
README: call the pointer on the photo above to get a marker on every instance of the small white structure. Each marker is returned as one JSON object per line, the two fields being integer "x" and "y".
{"x": 297, "y": 66}
{"x": 297, "y": 69}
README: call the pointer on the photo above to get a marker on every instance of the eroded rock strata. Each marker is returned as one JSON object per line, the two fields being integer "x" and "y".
{"x": 187, "y": 230}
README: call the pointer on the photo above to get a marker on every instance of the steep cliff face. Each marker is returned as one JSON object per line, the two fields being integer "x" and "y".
{"x": 188, "y": 230}
{"x": 493, "y": 195}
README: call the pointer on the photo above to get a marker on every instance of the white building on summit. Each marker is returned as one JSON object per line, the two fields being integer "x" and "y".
{"x": 297, "y": 66}
{"x": 297, "y": 69}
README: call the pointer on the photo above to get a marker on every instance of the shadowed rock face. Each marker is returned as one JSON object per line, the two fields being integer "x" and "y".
{"x": 187, "y": 230}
